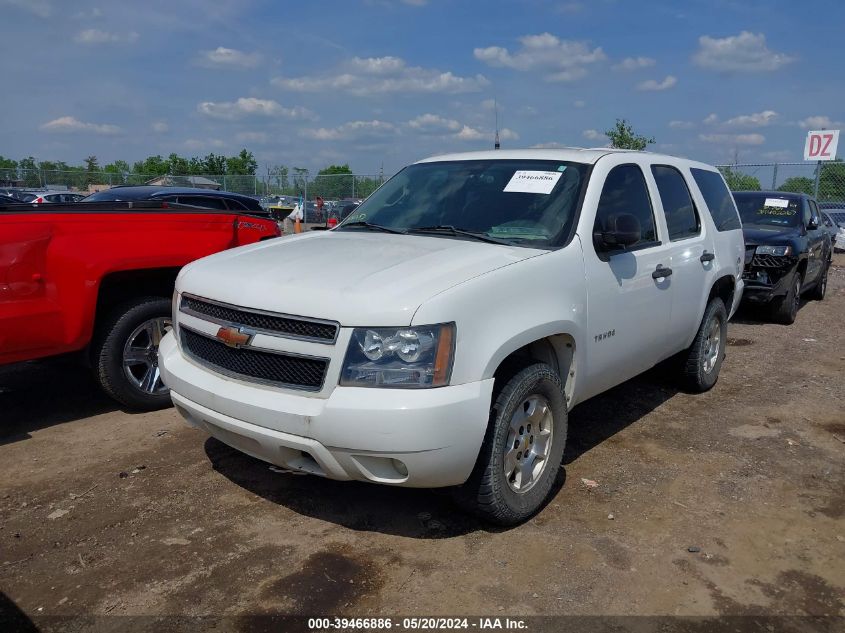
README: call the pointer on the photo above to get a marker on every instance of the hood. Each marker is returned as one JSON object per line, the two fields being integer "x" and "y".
{"x": 756, "y": 234}
{"x": 357, "y": 278}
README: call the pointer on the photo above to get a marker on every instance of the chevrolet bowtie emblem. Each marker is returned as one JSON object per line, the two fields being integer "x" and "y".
{"x": 234, "y": 337}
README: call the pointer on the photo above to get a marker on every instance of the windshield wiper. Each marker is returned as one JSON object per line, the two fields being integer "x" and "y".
{"x": 372, "y": 227}
{"x": 451, "y": 230}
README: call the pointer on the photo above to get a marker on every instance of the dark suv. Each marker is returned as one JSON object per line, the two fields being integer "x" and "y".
{"x": 204, "y": 198}
{"x": 787, "y": 251}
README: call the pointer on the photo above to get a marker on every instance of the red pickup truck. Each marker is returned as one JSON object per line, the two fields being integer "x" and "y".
{"x": 96, "y": 279}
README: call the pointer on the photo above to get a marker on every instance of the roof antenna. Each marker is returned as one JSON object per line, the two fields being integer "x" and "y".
{"x": 496, "y": 144}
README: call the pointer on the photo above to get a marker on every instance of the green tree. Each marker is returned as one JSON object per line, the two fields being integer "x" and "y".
{"x": 336, "y": 182}
{"x": 152, "y": 166}
{"x": 244, "y": 164}
{"x": 178, "y": 166}
{"x": 832, "y": 181}
{"x": 8, "y": 170}
{"x": 622, "y": 136}
{"x": 29, "y": 172}
{"x": 92, "y": 171}
{"x": 214, "y": 164}
{"x": 798, "y": 184}
{"x": 737, "y": 181}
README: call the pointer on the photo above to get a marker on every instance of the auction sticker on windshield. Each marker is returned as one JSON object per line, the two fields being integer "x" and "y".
{"x": 527, "y": 181}
{"x": 776, "y": 202}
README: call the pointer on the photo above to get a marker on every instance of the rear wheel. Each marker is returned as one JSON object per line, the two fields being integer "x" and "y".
{"x": 702, "y": 361}
{"x": 785, "y": 309}
{"x": 522, "y": 450}
{"x": 126, "y": 353}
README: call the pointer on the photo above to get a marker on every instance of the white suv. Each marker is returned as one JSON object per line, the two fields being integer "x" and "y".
{"x": 440, "y": 335}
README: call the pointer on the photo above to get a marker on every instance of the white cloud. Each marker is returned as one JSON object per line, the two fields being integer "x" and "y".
{"x": 778, "y": 155}
{"x": 562, "y": 60}
{"x": 381, "y": 75}
{"x": 580, "y": 103}
{"x": 434, "y": 122}
{"x": 72, "y": 124}
{"x": 203, "y": 144}
{"x": 711, "y": 119}
{"x": 594, "y": 135}
{"x": 250, "y": 106}
{"x": 160, "y": 127}
{"x": 491, "y": 104}
{"x": 733, "y": 139}
{"x": 635, "y": 63}
{"x": 758, "y": 119}
{"x": 570, "y": 7}
{"x": 550, "y": 145}
{"x": 818, "y": 122}
{"x": 352, "y": 130}
{"x": 222, "y": 57}
{"x": 260, "y": 138}
{"x": 681, "y": 125}
{"x": 746, "y": 52}
{"x": 468, "y": 133}
{"x": 39, "y": 8}
{"x": 652, "y": 85}
{"x": 96, "y": 36}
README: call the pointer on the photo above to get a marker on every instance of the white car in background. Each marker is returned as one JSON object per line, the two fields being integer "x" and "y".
{"x": 837, "y": 217}
{"x": 474, "y": 299}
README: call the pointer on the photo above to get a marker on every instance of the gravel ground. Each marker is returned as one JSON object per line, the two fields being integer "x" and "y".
{"x": 726, "y": 503}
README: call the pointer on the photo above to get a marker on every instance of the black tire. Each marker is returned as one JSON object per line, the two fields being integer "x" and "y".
{"x": 699, "y": 367}
{"x": 487, "y": 493}
{"x": 785, "y": 309}
{"x": 820, "y": 288}
{"x": 113, "y": 335}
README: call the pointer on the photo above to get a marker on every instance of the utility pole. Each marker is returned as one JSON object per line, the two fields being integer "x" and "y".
{"x": 818, "y": 177}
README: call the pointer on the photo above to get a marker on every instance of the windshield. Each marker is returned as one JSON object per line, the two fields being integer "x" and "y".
{"x": 773, "y": 210}
{"x": 525, "y": 202}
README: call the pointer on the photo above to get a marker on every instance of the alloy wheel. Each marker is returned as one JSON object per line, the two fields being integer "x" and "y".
{"x": 140, "y": 355}
{"x": 529, "y": 443}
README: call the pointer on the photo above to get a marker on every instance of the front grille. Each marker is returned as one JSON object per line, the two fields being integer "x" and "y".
{"x": 285, "y": 325}
{"x": 286, "y": 370}
{"x": 771, "y": 261}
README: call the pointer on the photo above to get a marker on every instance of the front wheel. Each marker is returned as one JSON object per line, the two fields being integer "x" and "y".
{"x": 126, "y": 353}
{"x": 703, "y": 359}
{"x": 820, "y": 288}
{"x": 522, "y": 450}
{"x": 785, "y": 309}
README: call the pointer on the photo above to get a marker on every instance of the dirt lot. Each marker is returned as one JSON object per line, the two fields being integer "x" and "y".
{"x": 731, "y": 502}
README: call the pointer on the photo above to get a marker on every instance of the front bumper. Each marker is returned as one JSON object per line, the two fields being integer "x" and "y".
{"x": 765, "y": 282}
{"x": 417, "y": 438}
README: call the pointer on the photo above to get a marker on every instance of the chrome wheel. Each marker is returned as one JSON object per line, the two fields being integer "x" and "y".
{"x": 712, "y": 345}
{"x": 529, "y": 443}
{"x": 140, "y": 355}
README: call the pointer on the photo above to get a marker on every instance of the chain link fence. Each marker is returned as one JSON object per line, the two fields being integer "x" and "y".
{"x": 825, "y": 181}
{"x": 86, "y": 181}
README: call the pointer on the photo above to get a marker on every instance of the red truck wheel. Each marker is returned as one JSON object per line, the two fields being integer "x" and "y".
{"x": 126, "y": 353}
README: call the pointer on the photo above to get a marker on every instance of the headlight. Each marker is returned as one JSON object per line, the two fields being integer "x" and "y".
{"x": 408, "y": 357}
{"x": 779, "y": 251}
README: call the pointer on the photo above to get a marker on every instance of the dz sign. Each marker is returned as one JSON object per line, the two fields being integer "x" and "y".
{"x": 821, "y": 145}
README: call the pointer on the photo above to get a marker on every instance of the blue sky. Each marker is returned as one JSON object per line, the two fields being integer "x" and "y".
{"x": 385, "y": 82}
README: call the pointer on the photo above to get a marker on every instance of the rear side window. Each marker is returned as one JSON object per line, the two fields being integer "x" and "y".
{"x": 203, "y": 201}
{"x": 625, "y": 191}
{"x": 718, "y": 198}
{"x": 681, "y": 215}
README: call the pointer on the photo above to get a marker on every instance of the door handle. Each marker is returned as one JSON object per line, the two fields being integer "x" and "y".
{"x": 707, "y": 257}
{"x": 660, "y": 272}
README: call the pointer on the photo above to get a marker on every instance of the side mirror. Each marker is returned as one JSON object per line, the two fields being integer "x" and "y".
{"x": 813, "y": 224}
{"x": 621, "y": 231}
